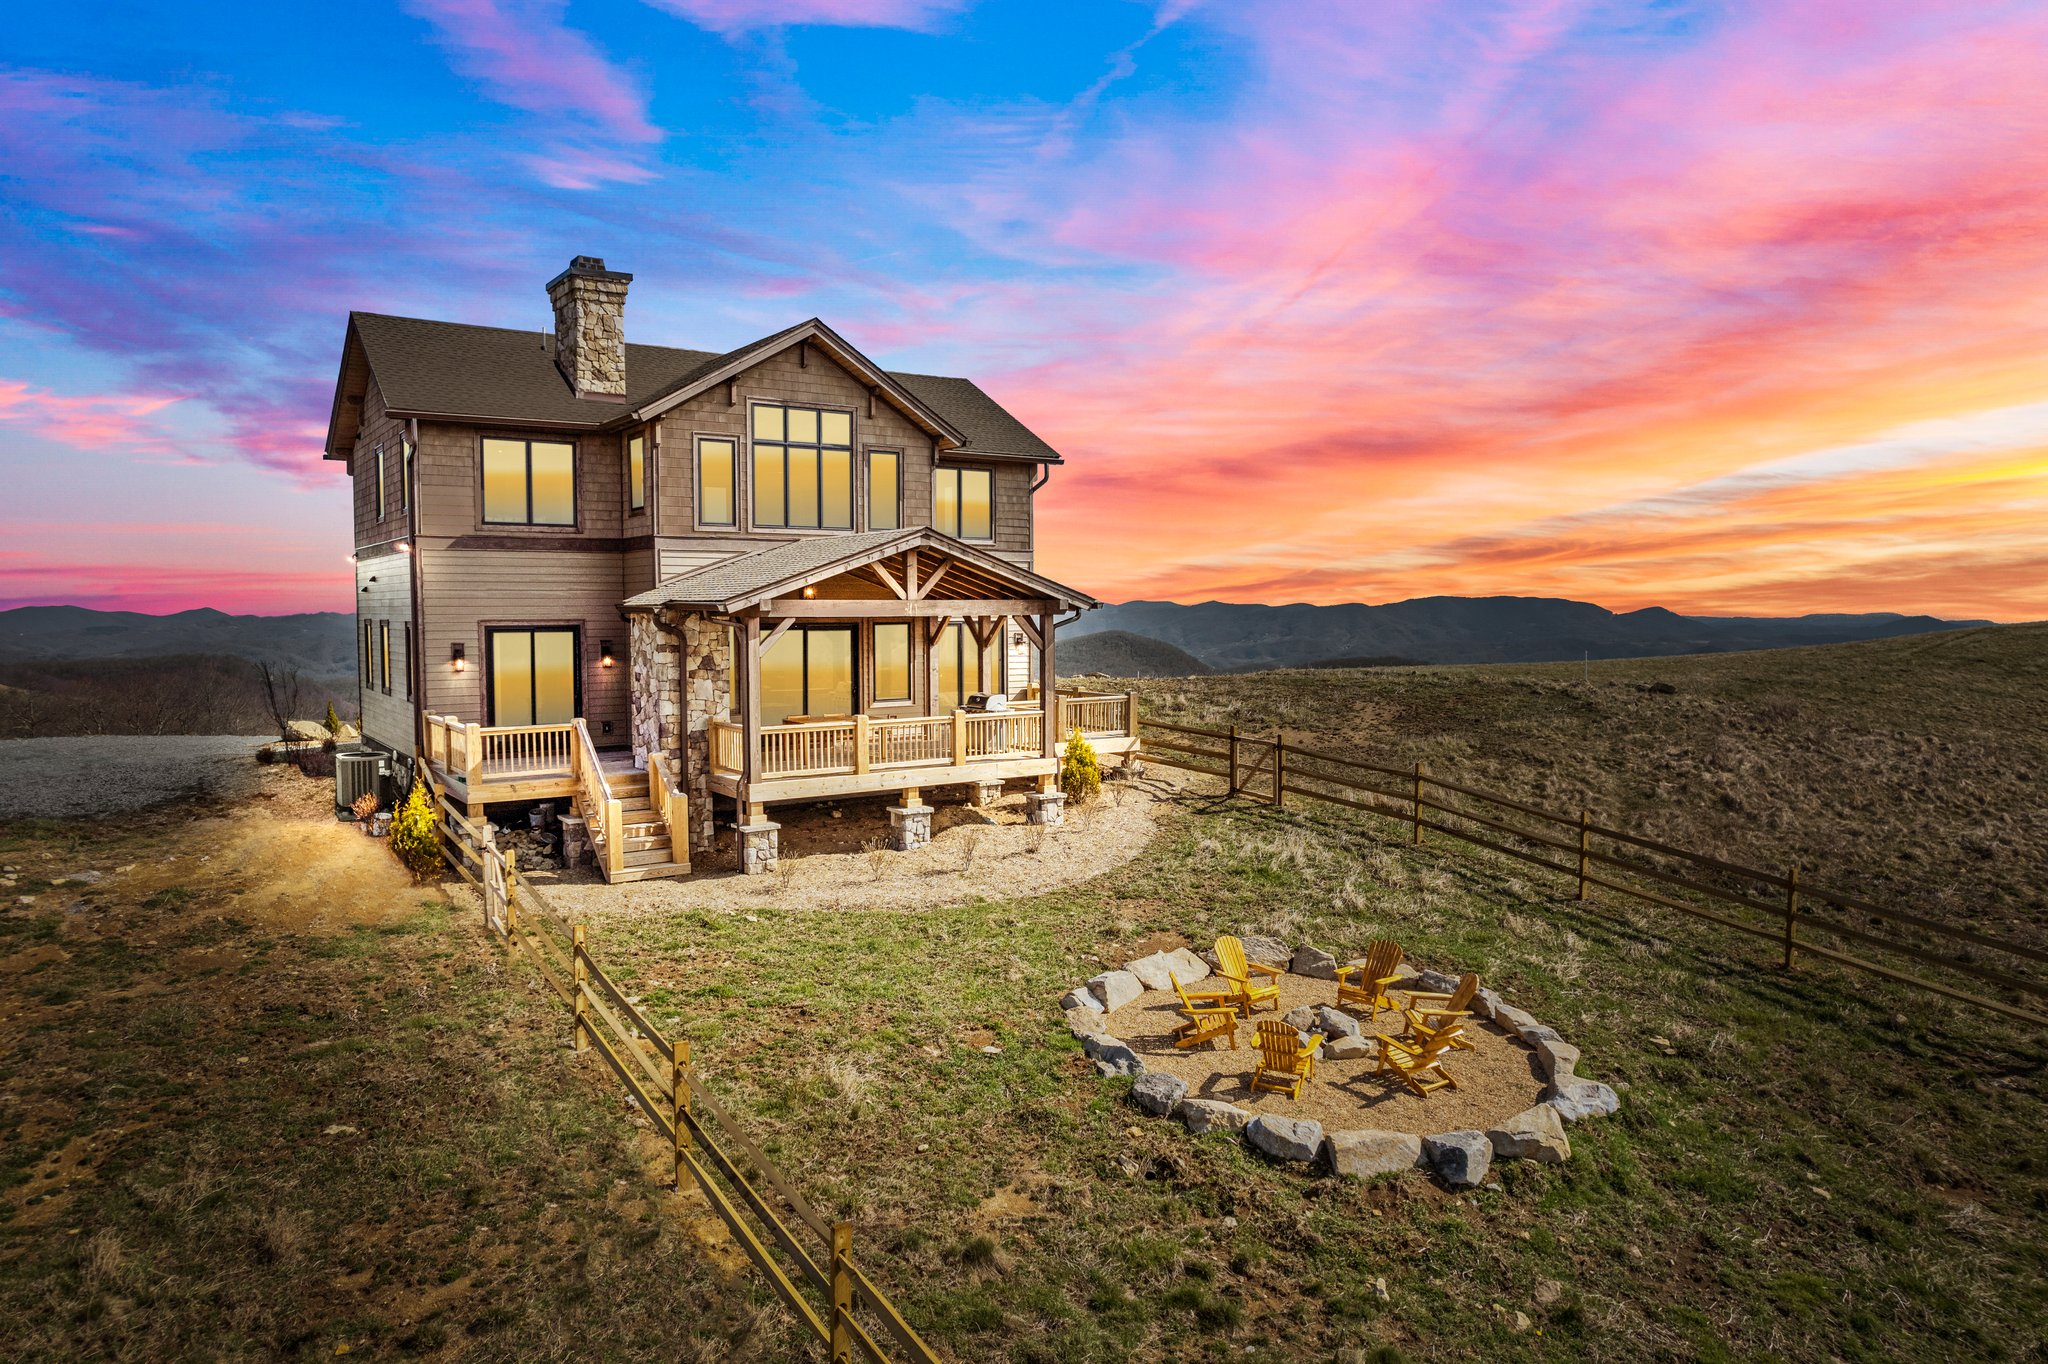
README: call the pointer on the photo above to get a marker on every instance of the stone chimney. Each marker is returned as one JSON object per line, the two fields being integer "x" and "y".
{"x": 590, "y": 328}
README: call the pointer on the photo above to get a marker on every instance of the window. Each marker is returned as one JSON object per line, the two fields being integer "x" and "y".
{"x": 407, "y": 660}
{"x": 965, "y": 667}
{"x": 529, "y": 482}
{"x": 803, "y": 467}
{"x": 892, "y": 662}
{"x": 405, "y": 476}
{"x": 885, "y": 490}
{"x": 716, "y": 457}
{"x": 380, "y": 483}
{"x": 384, "y": 655}
{"x": 809, "y": 671}
{"x": 636, "y": 472}
{"x": 534, "y": 677}
{"x": 369, "y": 669}
{"x": 963, "y": 503}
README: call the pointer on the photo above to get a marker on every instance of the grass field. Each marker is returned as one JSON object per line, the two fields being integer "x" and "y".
{"x": 1826, "y": 1168}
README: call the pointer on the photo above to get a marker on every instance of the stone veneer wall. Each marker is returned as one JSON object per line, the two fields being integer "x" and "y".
{"x": 706, "y": 696}
{"x": 656, "y": 658}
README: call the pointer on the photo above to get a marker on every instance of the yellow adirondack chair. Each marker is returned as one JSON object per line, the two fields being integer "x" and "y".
{"x": 1205, "y": 1016}
{"x": 1429, "y": 1012}
{"x": 1233, "y": 968}
{"x": 1419, "y": 1064}
{"x": 1285, "y": 1061}
{"x": 1363, "y": 985}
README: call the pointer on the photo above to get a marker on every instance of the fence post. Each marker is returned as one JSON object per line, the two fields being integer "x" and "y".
{"x": 580, "y": 974}
{"x": 1233, "y": 761}
{"x": 679, "y": 1080}
{"x": 860, "y": 742}
{"x": 1585, "y": 841}
{"x": 1791, "y": 915}
{"x": 1280, "y": 768}
{"x": 511, "y": 907}
{"x": 842, "y": 1294}
{"x": 1420, "y": 770}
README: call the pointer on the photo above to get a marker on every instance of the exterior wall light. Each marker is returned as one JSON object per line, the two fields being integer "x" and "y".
{"x": 810, "y": 592}
{"x": 604, "y": 653}
{"x": 456, "y": 658}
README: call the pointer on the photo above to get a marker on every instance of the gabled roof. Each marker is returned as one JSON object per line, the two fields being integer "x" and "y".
{"x": 452, "y": 370}
{"x": 749, "y": 579}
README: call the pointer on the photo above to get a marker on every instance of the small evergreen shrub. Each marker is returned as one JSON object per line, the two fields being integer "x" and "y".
{"x": 414, "y": 836}
{"x": 1080, "y": 773}
{"x": 333, "y": 721}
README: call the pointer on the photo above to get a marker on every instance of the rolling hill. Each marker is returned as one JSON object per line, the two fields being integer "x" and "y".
{"x": 1123, "y": 654}
{"x": 321, "y": 643}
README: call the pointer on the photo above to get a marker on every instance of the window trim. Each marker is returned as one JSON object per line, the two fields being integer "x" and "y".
{"x": 909, "y": 697}
{"x": 380, "y": 484}
{"x": 636, "y": 487}
{"x": 740, "y": 493}
{"x": 369, "y": 668}
{"x": 384, "y": 656}
{"x": 965, "y": 635}
{"x": 490, "y": 660}
{"x": 940, "y": 471}
{"x": 852, "y": 448}
{"x": 406, "y": 672}
{"x": 867, "y": 471}
{"x": 575, "y": 483}
{"x": 804, "y": 668}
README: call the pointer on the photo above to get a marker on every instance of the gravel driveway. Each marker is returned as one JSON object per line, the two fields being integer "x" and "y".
{"x": 94, "y": 774}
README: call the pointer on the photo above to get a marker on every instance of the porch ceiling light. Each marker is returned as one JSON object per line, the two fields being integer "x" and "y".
{"x": 810, "y": 592}
{"x": 456, "y": 657}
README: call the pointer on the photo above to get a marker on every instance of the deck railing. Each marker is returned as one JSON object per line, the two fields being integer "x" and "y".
{"x": 1098, "y": 716}
{"x": 910, "y": 741}
{"x": 521, "y": 750}
{"x": 954, "y": 739}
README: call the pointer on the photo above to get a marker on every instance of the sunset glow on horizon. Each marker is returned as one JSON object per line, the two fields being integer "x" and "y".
{"x": 1729, "y": 308}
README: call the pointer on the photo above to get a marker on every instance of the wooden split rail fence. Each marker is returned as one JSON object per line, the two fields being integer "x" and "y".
{"x": 808, "y": 1261}
{"x": 1778, "y": 907}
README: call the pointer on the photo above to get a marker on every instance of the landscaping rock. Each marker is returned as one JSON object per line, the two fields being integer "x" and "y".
{"x": 1115, "y": 989}
{"x": 1212, "y": 1115}
{"x": 1151, "y": 971}
{"x": 1313, "y": 962}
{"x": 1271, "y": 951}
{"x": 1348, "y": 1049}
{"x": 1436, "y": 982}
{"x": 1187, "y": 966}
{"x": 1367, "y": 1152}
{"x": 1486, "y": 1003}
{"x": 1576, "y": 1099}
{"x": 1085, "y": 1022}
{"x": 1113, "y": 1057}
{"x": 1461, "y": 1159}
{"x": 1301, "y": 1020}
{"x": 1080, "y": 997}
{"x": 1288, "y": 1138}
{"x": 1335, "y": 1023}
{"x": 1513, "y": 1019}
{"x": 1535, "y": 1134}
{"x": 1160, "y": 1094}
{"x": 1557, "y": 1057}
{"x": 1540, "y": 1033}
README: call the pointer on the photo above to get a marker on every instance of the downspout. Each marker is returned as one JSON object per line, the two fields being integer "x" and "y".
{"x": 416, "y": 665}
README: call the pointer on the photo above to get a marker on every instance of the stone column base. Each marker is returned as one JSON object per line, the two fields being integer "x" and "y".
{"x": 1046, "y": 807}
{"x": 910, "y": 826}
{"x": 760, "y": 847}
{"x": 984, "y": 792}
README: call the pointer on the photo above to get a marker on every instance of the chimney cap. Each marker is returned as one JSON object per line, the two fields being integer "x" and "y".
{"x": 589, "y": 267}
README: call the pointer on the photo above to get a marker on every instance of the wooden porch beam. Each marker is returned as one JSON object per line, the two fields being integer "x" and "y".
{"x": 889, "y": 580}
{"x": 747, "y": 662}
{"x": 884, "y": 608}
{"x": 983, "y": 627}
{"x": 935, "y": 627}
{"x": 945, "y": 567}
{"x": 910, "y": 573}
{"x": 1048, "y": 698}
{"x": 776, "y": 633}
{"x": 1031, "y": 632}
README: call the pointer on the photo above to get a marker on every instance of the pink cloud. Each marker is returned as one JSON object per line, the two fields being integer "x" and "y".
{"x": 735, "y": 16}
{"x": 88, "y": 421}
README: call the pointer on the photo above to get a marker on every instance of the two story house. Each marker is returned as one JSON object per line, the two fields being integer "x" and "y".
{"x": 680, "y": 587}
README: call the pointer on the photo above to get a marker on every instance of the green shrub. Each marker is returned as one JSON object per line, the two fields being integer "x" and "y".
{"x": 333, "y": 721}
{"x": 414, "y": 836}
{"x": 1080, "y": 773}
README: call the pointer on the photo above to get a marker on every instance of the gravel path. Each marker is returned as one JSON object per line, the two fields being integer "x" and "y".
{"x": 95, "y": 774}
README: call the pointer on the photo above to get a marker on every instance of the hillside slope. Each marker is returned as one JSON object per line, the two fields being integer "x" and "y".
{"x": 1123, "y": 654}
{"x": 1912, "y": 770}
{"x": 321, "y": 643}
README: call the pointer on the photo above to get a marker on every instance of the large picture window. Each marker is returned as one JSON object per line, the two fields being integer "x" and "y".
{"x": 885, "y": 490}
{"x": 892, "y": 662}
{"x": 963, "y": 503}
{"x": 965, "y": 667}
{"x": 716, "y": 457}
{"x": 803, "y": 468}
{"x": 529, "y": 482}
{"x": 636, "y": 472}
{"x": 808, "y": 672}
{"x": 533, "y": 676}
{"x": 384, "y": 655}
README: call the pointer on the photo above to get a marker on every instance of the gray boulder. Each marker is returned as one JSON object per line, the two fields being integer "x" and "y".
{"x": 1080, "y": 997}
{"x": 1513, "y": 1019}
{"x": 1158, "y": 1093}
{"x": 1212, "y": 1115}
{"x": 1152, "y": 971}
{"x": 1301, "y": 1020}
{"x": 1534, "y": 1134}
{"x": 1348, "y": 1049}
{"x": 1286, "y": 1138}
{"x": 1313, "y": 962}
{"x": 1540, "y": 1033}
{"x": 1367, "y": 1152}
{"x": 1486, "y": 1003}
{"x": 1085, "y": 1022}
{"x": 1576, "y": 1099}
{"x": 1335, "y": 1023}
{"x": 1461, "y": 1159}
{"x": 1558, "y": 1058}
{"x": 1271, "y": 951}
{"x": 1436, "y": 982}
{"x": 1187, "y": 966}
{"x": 1112, "y": 1056}
{"x": 1115, "y": 989}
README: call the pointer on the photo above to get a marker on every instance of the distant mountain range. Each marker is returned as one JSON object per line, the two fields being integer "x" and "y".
{"x": 321, "y": 643}
{"x": 1232, "y": 637}
{"x": 1120, "y": 653}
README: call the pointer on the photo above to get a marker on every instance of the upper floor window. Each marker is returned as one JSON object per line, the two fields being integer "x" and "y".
{"x": 885, "y": 490}
{"x": 963, "y": 503}
{"x": 529, "y": 482}
{"x": 803, "y": 468}
{"x": 716, "y": 457}
{"x": 380, "y": 483}
{"x": 636, "y": 471}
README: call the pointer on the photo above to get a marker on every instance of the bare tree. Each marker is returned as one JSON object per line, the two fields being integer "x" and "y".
{"x": 281, "y": 695}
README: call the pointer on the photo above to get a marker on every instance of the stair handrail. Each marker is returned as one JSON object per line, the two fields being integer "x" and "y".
{"x": 670, "y": 804}
{"x": 601, "y": 812}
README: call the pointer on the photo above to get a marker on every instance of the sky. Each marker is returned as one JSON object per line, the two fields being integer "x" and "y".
{"x": 1734, "y": 308}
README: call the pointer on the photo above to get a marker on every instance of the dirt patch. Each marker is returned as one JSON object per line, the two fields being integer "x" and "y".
{"x": 1497, "y": 1079}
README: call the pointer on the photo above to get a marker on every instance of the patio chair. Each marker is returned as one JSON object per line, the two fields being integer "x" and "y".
{"x": 1286, "y": 1062}
{"x": 1419, "y": 1064}
{"x": 1429, "y": 1012}
{"x": 1205, "y": 1016}
{"x": 1363, "y": 984}
{"x": 1231, "y": 966}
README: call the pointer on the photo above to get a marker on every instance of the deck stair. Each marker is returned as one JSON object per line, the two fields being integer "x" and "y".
{"x": 649, "y": 852}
